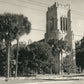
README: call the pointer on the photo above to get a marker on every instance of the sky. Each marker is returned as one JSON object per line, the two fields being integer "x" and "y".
{"x": 35, "y": 10}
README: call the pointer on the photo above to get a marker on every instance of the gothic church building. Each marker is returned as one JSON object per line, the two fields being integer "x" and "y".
{"x": 58, "y": 26}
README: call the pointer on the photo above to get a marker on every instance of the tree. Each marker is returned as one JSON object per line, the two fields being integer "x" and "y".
{"x": 22, "y": 56}
{"x": 35, "y": 58}
{"x": 40, "y": 56}
{"x": 57, "y": 49}
{"x": 12, "y": 26}
{"x": 69, "y": 65}
{"x": 3, "y": 62}
{"x": 80, "y": 55}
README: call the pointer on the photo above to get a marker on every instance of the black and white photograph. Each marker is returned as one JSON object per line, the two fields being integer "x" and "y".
{"x": 41, "y": 41}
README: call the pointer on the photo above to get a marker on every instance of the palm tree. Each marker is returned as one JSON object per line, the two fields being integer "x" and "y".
{"x": 15, "y": 25}
{"x": 58, "y": 46}
{"x": 20, "y": 30}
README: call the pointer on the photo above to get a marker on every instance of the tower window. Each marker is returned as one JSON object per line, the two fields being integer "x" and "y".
{"x": 63, "y": 24}
{"x": 66, "y": 24}
{"x": 51, "y": 24}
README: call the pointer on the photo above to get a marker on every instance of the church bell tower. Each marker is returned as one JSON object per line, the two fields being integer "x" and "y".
{"x": 58, "y": 23}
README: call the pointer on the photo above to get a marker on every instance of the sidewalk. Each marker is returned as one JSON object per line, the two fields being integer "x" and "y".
{"x": 34, "y": 81}
{"x": 40, "y": 78}
{"x": 60, "y": 77}
{"x": 22, "y": 81}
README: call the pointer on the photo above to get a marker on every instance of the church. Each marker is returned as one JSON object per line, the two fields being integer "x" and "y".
{"x": 58, "y": 26}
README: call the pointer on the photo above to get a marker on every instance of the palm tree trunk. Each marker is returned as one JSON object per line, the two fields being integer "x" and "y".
{"x": 60, "y": 64}
{"x": 61, "y": 61}
{"x": 17, "y": 58}
{"x": 8, "y": 60}
{"x": 51, "y": 69}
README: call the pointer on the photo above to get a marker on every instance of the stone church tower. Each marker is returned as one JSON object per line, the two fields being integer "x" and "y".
{"x": 58, "y": 23}
{"x": 58, "y": 26}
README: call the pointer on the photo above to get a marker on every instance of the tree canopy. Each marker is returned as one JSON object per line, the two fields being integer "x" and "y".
{"x": 42, "y": 56}
{"x": 13, "y": 24}
{"x": 69, "y": 65}
{"x": 37, "y": 57}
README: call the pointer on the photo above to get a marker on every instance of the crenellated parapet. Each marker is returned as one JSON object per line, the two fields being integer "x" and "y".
{"x": 58, "y": 5}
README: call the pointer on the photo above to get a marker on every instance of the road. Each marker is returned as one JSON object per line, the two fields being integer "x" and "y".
{"x": 41, "y": 82}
